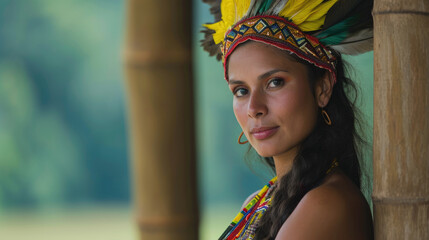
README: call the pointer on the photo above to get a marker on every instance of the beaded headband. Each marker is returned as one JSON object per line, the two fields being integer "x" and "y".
{"x": 278, "y": 32}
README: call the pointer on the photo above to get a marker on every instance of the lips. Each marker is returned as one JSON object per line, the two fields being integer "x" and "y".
{"x": 263, "y": 132}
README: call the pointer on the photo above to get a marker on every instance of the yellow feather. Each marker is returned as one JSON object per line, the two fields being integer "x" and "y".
{"x": 300, "y": 16}
{"x": 219, "y": 28}
{"x": 292, "y": 7}
{"x": 309, "y": 15}
{"x": 321, "y": 10}
{"x": 232, "y": 11}
{"x": 242, "y": 7}
{"x": 312, "y": 25}
{"x": 227, "y": 8}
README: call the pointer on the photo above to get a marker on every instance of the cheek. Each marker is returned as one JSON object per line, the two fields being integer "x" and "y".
{"x": 297, "y": 110}
{"x": 240, "y": 113}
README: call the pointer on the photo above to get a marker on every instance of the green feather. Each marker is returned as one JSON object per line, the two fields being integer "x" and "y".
{"x": 334, "y": 39}
{"x": 264, "y": 6}
{"x": 337, "y": 33}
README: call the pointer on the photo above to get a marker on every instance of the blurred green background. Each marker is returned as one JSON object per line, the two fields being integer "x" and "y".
{"x": 64, "y": 164}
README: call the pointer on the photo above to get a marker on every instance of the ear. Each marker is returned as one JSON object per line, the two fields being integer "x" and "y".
{"x": 323, "y": 89}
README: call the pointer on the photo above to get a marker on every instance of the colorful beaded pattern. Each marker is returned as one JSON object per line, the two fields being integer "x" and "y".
{"x": 243, "y": 226}
{"x": 280, "y": 33}
{"x": 247, "y": 220}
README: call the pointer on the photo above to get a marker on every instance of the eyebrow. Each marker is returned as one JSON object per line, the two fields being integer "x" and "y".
{"x": 260, "y": 77}
{"x": 269, "y": 73}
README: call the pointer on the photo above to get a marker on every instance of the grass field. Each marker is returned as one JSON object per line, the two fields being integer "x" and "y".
{"x": 95, "y": 223}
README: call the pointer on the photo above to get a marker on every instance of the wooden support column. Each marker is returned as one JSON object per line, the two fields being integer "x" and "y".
{"x": 161, "y": 117}
{"x": 401, "y": 119}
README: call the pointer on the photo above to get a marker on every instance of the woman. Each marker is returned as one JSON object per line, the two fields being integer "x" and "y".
{"x": 289, "y": 99}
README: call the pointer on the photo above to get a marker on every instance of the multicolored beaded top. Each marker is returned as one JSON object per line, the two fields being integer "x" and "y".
{"x": 278, "y": 32}
{"x": 247, "y": 220}
{"x": 244, "y": 224}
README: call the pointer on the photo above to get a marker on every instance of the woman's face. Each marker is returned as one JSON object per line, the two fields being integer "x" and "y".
{"x": 273, "y": 100}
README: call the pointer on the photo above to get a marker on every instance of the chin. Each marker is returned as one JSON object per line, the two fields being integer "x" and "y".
{"x": 264, "y": 151}
{"x": 267, "y": 149}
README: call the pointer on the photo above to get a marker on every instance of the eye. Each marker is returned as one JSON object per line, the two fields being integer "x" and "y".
{"x": 276, "y": 82}
{"x": 239, "y": 92}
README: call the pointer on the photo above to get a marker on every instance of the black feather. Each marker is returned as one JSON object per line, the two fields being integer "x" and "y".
{"x": 214, "y": 9}
{"x": 207, "y": 42}
{"x": 209, "y": 45}
{"x": 346, "y": 8}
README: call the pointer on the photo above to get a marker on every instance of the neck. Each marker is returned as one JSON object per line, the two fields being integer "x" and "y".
{"x": 284, "y": 161}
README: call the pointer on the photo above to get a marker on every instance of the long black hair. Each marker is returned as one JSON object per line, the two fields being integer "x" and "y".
{"x": 317, "y": 151}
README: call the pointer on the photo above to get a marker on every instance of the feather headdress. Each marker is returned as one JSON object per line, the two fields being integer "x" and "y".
{"x": 308, "y": 28}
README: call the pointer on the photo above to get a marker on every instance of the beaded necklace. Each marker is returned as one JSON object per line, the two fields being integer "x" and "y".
{"x": 250, "y": 214}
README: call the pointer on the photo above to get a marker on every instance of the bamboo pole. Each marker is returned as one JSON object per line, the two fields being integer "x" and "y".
{"x": 161, "y": 117}
{"x": 401, "y": 119}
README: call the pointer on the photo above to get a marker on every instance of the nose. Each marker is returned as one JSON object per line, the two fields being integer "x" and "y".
{"x": 257, "y": 106}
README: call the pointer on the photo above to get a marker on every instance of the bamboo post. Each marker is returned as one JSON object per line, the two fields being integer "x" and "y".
{"x": 401, "y": 119}
{"x": 161, "y": 117}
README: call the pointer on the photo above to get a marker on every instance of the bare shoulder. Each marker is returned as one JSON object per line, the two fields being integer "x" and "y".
{"x": 334, "y": 210}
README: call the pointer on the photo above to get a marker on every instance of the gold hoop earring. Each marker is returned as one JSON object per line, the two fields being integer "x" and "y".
{"x": 239, "y": 139}
{"x": 326, "y": 117}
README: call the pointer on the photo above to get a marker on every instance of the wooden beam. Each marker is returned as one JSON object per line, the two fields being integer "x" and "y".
{"x": 161, "y": 115}
{"x": 401, "y": 119}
